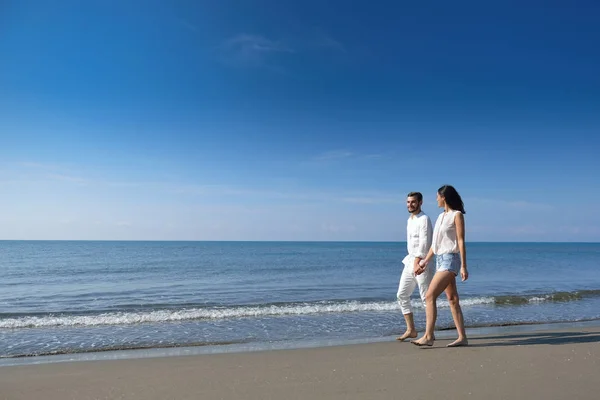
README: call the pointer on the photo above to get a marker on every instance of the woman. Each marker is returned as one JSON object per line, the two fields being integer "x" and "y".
{"x": 451, "y": 259}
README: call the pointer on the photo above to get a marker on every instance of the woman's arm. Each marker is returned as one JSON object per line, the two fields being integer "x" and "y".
{"x": 429, "y": 256}
{"x": 459, "y": 221}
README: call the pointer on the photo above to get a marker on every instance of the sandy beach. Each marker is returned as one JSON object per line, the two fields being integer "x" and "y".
{"x": 554, "y": 364}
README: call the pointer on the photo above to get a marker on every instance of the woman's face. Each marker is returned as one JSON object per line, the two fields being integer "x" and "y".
{"x": 440, "y": 201}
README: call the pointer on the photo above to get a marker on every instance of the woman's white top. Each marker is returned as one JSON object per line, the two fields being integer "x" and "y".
{"x": 444, "y": 234}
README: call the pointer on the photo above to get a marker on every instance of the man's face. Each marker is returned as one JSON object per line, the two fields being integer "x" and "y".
{"x": 412, "y": 204}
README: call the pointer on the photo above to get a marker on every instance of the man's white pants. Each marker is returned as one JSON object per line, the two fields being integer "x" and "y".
{"x": 408, "y": 282}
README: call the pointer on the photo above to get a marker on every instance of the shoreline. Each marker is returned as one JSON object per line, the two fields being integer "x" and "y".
{"x": 545, "y": 364}
{"x": 248, "y": 347}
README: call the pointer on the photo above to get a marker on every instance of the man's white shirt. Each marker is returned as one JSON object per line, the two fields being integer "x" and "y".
{"x": 419, "y": 235}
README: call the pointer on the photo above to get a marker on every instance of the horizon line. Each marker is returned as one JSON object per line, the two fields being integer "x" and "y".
{"x": 274, "y": 241}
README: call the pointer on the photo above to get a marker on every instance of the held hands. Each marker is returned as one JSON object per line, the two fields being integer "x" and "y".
{"x": 419, "y": 266}
{"x": 416, "y": 267}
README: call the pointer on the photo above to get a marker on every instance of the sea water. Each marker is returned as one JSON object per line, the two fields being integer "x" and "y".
{"x": 65, "y": 297}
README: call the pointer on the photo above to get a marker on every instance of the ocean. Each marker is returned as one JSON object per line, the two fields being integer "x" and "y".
{"x": 79, "y": 297}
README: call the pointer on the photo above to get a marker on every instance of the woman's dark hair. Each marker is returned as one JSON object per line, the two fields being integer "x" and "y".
{"x": 452, "y": 198}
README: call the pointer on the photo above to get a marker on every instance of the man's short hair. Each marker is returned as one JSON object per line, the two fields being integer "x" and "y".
{"x": 418, "y": 195}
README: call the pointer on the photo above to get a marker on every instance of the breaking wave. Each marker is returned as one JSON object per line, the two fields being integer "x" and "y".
{"x": 190, "y": 313}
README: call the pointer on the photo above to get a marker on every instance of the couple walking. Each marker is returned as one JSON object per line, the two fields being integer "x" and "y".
{"x": 447, "y": 244}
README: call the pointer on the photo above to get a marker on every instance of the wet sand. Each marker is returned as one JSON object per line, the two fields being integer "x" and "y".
{"x": 557, "y": 364}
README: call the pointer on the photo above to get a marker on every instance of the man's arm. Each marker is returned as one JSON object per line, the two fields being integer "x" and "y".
{"x": 425, "y": 235}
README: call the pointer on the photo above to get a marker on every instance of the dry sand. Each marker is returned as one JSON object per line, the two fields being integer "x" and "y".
{"x": 559, "y": 364}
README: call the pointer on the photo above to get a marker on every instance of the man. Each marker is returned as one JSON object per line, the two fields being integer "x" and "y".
{"x": 418, "y": 241}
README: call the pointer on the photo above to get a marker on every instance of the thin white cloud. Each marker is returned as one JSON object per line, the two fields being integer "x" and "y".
{"x": 33, "y": 172}
{"x": 295, "y": 194}
{"x": 67, "y": 178}
{"x": 373, "y": 156}
{"x": 258, "y": 43}
{"x": 39, "y": 166}
{"x": 247, "y": 50}
{"x": 344, "y": 154}
{"x": 279, "y": 193}
{"x": 229, "y": 190}
{"x": 327, "y": 41}
{"x": 173, "y": 210}
{"x": 383, "y": 199}
{"x": 334, "y": 155}
{"x": 270, "y": 194}
{"x": 184, "y": 23}
{"x": 252, "y": 50}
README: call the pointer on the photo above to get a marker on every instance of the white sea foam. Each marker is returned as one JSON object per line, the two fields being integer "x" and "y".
{"x": 157, "y": 316}
{"x": 537, "y": 299}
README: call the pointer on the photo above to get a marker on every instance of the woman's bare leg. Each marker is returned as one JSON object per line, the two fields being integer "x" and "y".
{"x": 438, "y": 284}
{"x": 457, "y": 315}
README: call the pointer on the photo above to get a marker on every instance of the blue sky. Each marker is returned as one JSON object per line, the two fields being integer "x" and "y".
{"x": 277, "y": 120}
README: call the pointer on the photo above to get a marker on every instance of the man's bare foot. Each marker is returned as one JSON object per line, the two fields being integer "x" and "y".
{"x": 406, "y": 335}
{"x": 423, "y": 342}
{"x": 458, "y": 343}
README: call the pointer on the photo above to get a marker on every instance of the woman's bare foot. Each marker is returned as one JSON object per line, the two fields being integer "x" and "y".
{"x": 459, "y": 342}
{"x": 424, "y": 341}
{"x": 406, "y": 335}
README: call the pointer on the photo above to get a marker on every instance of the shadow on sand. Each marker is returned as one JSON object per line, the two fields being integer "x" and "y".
{"x": 527, "y": 339}
{"x": 552, "y": 338}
